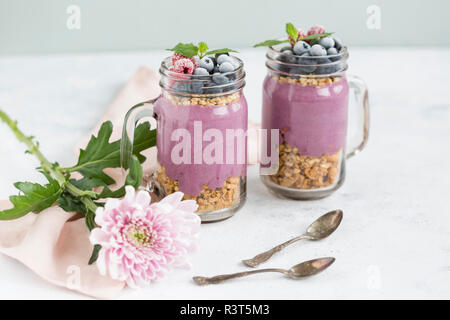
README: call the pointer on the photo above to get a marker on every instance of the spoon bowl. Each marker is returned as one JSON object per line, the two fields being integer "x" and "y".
{"x": 325, "y": 225}
{"x": 310, "y": 268}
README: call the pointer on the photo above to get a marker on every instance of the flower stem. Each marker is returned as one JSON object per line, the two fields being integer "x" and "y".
{"x": 47, "y": 166}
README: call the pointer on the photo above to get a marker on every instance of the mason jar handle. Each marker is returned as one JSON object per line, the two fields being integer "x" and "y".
{"x": 362, "y": 99}
{"x": 136, "y": 113}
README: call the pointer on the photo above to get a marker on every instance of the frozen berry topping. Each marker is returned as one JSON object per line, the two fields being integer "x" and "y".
{"x": 317, "y": 29}
{"x": 177, "y": 56}
{"x": 184, "y": 65}
{"x": 319, "y": 52}
{"x": 209, "y": 68}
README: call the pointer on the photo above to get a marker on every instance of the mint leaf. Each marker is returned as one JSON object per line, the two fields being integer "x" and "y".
{"x": 101, "y": 154}
{"x": 221, "y": 51}
{"x": 202, "y": 48}
{"x": 270, "y": 43}
{"x": 316, "y": 36}
{"x": 35, "y": 198}
{"x": 292, "y": 31}
{"x": 185, "y": 49}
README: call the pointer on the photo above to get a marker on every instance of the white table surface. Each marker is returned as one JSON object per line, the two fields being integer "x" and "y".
{"x": 394, "y": 241}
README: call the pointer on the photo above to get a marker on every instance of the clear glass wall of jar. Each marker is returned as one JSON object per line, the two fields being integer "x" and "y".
{"x": 201, "y": 139}
{"x": 306, "y": 99}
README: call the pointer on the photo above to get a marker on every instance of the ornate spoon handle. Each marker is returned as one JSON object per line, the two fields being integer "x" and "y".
{"x": 218, "y": 279}
{"x": 263, "y": 257}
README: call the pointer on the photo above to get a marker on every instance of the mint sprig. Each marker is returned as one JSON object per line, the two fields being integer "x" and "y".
{"x": 190, "y": 50}
{"x": 292, "y": 33}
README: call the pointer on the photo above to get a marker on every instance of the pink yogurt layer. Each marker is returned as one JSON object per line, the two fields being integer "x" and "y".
{"x": 314, "y": 119}
{"x": 191, "y": 176}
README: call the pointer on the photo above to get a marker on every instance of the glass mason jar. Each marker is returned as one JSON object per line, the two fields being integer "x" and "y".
{"x": 201, "y": 130}
{"x": 306, "y": 98}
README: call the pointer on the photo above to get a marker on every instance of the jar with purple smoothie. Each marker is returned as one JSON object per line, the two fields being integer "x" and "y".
{"x": 306, "y": 96}
{"x": 201, "y": 123}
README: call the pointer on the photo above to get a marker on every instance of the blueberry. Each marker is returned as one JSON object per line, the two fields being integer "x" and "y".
{"x": 327, "y": 42}
{"x": 317, "y": 50}
{"x": 301, "y": 47}
{"x": 287, "y": 57}
{"x": 219, "y": 79}
{"x": 307, "y": 65}
{"x": 207, "y": 64}
{"x": 332, "y": 51}
{"x": 226, "y": 67}
{"x": 326, "y": 69}
{"x": 282, "y": 68}
{"x": 224, "y": 58}
{"x": 196, "y": 87}
{"x": 232, "y": 76}
{"x": 209, "y": 88}
{"x": 337, "y": 43}
{"x": 180, "y": 87}
{"x": 201, "y": 72}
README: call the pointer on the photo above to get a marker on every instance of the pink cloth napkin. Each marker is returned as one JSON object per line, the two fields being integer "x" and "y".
{"x": 55, "y": 244}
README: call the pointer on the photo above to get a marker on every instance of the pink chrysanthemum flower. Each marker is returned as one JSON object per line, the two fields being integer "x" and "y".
{"x": 142, "y": 241}
{"x": 317, "y": 29}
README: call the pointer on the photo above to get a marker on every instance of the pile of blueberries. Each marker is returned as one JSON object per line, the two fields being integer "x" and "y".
{"x": 321, "y": 57}
{"x": 211, "y": 71}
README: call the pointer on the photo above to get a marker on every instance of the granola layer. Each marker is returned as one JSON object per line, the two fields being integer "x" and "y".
{"x": 305, "y": 172}
{"x": 308, "y": 81}
{"x": 208, "y": 199}
{"x": 205, "y": 101}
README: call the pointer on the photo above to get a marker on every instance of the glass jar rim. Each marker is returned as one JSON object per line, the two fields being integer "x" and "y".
{"x": 275, "y": 65}
{"x": 236, "y": 80}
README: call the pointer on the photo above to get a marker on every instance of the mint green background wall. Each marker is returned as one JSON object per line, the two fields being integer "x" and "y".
{"x": 39, "y": 26}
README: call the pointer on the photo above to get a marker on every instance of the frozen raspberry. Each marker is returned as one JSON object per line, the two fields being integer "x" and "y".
{"x": 316, "y": 30}
{"x": 177, "y": 56}
{"x": 184, "y": 65}
{"x": 301, "y": 34}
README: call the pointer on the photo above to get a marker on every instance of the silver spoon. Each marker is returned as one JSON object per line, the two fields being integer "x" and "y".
{"x": 302, "y": 270}
{"x": 319, "y": 229}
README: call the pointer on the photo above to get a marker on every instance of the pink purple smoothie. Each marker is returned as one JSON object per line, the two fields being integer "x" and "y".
{"x": 191, "y": 177}
{"x": 314, "y": 119}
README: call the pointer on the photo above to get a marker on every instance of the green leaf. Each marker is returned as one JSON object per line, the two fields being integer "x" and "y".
{"x": 70, "y": 203}
{"x": 185, "y": 49}
{"x": 101, "y": 154}
{"x": 202, "y": 47}
{"x": 221, "y": 51}
{"x": 270, "y": 43}
{"x": 316, "y": 36}
{"x": 94, "y": 255}
{"x": 35, "y": 198}
{"x": 134, "y": 178}
{"x": 292, "y": 31}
